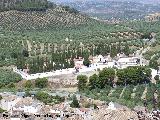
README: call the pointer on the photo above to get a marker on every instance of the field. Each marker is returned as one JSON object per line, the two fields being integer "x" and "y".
{"x": 130, "y": 96}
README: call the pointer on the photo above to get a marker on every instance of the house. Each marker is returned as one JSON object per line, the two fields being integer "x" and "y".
{"x": 125, "y": 62}
{"x": 78, "y": 63}
{"x": 97, "y": 59}
{"x": 111, "y": 106}
{"x": 28, "y": 105}
{"x": 21, "y": 94}
{"x": 8, "y": 102}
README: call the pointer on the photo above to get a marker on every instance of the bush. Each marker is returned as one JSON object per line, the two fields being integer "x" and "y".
{"x": 156, "y": 78}
{"x": 75, "y": 103}
{"x": 1, "y": 110}
{"x": 41, "y": 82}
{"x": 82, "y": 82}
{"x": 47, "y": 99}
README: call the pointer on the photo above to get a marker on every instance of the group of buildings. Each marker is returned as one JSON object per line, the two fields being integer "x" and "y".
{"x": 97, "y": 62}
{"x": 21, "y": 108}
{"x": 120, "y": 61}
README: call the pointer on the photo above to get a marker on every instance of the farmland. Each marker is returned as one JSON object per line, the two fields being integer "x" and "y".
{"x": 131, "y": 96}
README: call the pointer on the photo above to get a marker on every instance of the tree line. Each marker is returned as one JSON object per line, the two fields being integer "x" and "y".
{"x": 65, "y": 58}
{"x": 112, "y": 77}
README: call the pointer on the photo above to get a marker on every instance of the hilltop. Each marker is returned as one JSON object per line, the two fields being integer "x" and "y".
{"x": 114, "y": 9}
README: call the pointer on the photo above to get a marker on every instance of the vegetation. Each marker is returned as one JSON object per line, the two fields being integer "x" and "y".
{"x": 129, "y": 89}
{"x": 11, "y": 85}
{"x": 48, "y": 99}
{"x": 82, "y": 82}
{"x": 31, "y": 37}
{"x": 75, "y": 103}
{"x": 28, "y": 84}
{"x": 25, "y": 5}
{"x": 1, "y": 110}
{"x": 133, "y": 75}
{"x": 41, "y": 82}
{"x": 127, "y": 95}
{"x": 8, "y": 76}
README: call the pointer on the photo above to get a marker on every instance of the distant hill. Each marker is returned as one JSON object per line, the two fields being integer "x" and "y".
{"x": 114, "y": 9}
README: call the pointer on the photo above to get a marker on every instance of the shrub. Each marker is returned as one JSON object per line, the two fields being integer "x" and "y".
{"x": 75, "y": 103}
{"x": 41, "y": 82}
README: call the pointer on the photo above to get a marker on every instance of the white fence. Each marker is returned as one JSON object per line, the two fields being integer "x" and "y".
{"x": 57, "y": 72}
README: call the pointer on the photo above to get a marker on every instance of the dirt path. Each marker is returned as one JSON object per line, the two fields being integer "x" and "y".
{"x": 122, "y": 92}
{"x": 42, "y": 48}
{"x": 144, "y": 93}
{"x": 29, "y": 45}
{"x": 133, "y": 94}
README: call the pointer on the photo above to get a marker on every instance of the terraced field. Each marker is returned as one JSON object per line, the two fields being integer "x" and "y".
{"x": 124, "y": 95}
{"x": 18, "y": 20}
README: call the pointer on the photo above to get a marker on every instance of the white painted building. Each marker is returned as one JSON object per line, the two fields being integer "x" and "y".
{"x": 30, "y": 109}
{"x": 127, "y": 61}
{"x": 8, "y": 104}
{"x": 111, "y": 106}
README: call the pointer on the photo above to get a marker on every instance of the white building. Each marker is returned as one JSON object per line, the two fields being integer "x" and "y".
{"x": 127, "y": 61}
{"x": 9, "y": 103}
{"x": 111, "y": 106}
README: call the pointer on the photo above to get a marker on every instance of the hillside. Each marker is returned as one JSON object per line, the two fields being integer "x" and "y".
{"x": 27, "y": 20}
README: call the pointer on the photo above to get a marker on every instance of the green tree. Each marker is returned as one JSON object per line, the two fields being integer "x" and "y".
{"x": 41, "y": 82}
{"x": 133, "y": 75}
{"x": 75, "y": 103}
{"x": 113, "y": 52}
{"x": 82, "y": 82}
{"x": 2, "y": 85}
{"x": 44, "y": 97}
{"x": 106, "y": 77}
{"x": 154, "y": 64}
{"x": 156, "y": 77}
{"x": 93, "y": 81}
{"x": 126, "y": 49}
{"x": 86, "y": 62}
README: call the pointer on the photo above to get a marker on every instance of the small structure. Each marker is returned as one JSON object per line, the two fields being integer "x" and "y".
{"x": 21, "y": 94}
{"x": 127, "y": 61}
{"x": 111, "y": 106}
{"x": 78, "y": 63}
